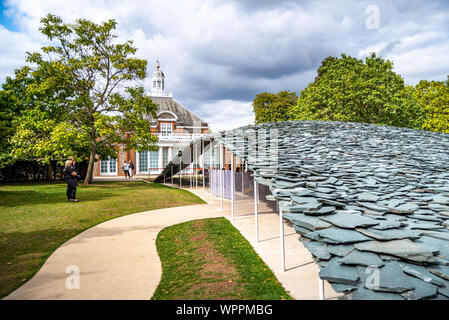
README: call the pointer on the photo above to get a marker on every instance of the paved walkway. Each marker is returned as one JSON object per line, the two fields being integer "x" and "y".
{"x": 118, "y": 259}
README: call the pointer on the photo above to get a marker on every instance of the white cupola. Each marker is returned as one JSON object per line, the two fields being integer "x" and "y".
{"x": 158, "y": 82}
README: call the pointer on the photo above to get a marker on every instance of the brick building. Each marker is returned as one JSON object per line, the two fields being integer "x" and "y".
{"x": 176, "y": 126}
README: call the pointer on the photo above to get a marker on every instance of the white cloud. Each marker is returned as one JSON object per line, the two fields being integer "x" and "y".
{"x": 217, "y": 55}
{"x": 227, "y": 114}
{"x": 13, "y": 52}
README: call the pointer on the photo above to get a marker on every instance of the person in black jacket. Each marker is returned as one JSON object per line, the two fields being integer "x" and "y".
{"x": 71, "y": 176}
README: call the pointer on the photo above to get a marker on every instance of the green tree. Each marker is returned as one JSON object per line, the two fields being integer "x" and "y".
{"x": 33, "y": 122}
{"x": 8, "y": 111}
{"x": 433, "y": 97}
{"x": 270, "y": 107}
{"x": 350, "y": 89}
{"x": 95, "y": 75}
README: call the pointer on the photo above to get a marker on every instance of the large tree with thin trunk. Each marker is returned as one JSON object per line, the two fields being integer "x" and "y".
{"x": 97, "y": 75}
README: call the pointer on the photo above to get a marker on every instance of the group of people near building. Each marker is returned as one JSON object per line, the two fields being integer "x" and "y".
{"x": 128, "y": 168}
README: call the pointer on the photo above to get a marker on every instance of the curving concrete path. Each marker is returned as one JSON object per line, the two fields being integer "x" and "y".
{"x": 118, "y": 259}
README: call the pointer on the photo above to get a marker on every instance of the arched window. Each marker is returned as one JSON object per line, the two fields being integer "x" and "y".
{"x": 154, "y": 84}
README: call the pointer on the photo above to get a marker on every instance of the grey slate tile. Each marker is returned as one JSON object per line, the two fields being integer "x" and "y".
{"x": 308, "y": 222}
{"x": 318, "y": 249}
{"x": 389, "y": 234}
{"x": 349, "y": 221}
{"x": 367, "y": 197}
{"x": 341, "y": 236}
{"x": 389, "y": 278}
{"x": 405, "y": 248}
{"x": 338, "y": 273}
{"x": 365, "y": 294}
{"x": 340, "y": 250}
{"x": 422, "y": 273}
{"x": 437, "y": 234}
{"x": 356, "y": 257}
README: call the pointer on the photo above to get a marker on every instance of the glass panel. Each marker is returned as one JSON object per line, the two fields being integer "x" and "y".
{"x": 164, "y": 156}
{"x": 154, "y": 160}
{"x": 206, "y": 158}
{"x": 103, "y": 166}
{"x": 112, "y": 165}
{"x": 166, "y": 129}
{"x": 143, "y": 161}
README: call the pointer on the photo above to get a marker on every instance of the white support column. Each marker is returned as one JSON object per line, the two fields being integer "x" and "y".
{"x": 281, "y": 227}
{"x": 190, "y": 165}
{"x": 321, "y": 288}
{"x": 180, "y": 167}
{"x": 172, "y": 174}
{"x": 170, "y": 154}
{"x": 196, "y": 168}
{"x": 243, "y": 184}
{"x": 221, "y": 176}
{"x": 232, "y": 187}
{"x": 160, "y": 162}
{"x": 256, "y": 210}
{"x": 210, "y": 171}
{"x": 203, "y": 169}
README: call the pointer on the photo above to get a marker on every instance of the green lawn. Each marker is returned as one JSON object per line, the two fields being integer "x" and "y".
{"x": 35, "y": 219}
{"x": 210, "y": 259}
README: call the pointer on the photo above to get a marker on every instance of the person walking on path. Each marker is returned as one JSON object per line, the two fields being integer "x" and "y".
{"x": 71, "y": 176}
{"x": 126, "y": 169}
{"x": 131, "y": 168}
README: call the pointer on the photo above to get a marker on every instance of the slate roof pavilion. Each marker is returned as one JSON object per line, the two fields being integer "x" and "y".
{"x": 371, "y": 203}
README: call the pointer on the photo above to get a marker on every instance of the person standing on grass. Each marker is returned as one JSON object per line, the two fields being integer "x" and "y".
{"x": 70, "y": 176}
{"x": 126, "y": 169}
{"x": 75, "y": 168}
{"x": 131, "y": 168}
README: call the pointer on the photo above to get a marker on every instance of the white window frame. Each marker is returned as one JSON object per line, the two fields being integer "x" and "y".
{"x": 138, "y": 162}
{"x": 109, "y": 172}
{"x": 164, "y": 127}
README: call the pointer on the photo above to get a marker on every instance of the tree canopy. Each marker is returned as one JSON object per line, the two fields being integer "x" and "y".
{"x": 271, "y": 107}
{"x": 86, "y": 78}
{"x": 11, "y": 105}
{"x": 350, "y": 89}
{"x": 433, "y": 97}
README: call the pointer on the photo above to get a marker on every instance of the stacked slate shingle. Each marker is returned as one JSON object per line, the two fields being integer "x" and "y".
{"x": 371, "y": 203}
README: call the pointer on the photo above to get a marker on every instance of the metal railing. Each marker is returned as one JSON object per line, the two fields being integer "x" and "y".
{"x": 177, "y": 136}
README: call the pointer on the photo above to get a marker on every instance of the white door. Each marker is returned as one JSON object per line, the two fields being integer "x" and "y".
{"x": 108, "y": 167}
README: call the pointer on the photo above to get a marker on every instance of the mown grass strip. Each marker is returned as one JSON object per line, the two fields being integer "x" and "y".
{"x": 36, "y": 218}
{"x": 209, "y": 259}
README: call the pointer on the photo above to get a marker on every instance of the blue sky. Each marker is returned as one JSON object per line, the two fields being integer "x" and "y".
{"x": 218, "y": 54}
{"x": 5, "y": 19}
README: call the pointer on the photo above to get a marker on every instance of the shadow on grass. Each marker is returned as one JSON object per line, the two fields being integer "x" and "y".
{"x": 26, "y": 197}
